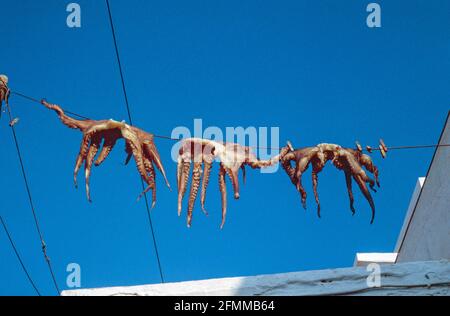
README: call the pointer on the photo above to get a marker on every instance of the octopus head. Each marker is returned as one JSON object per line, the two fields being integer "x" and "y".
{"x": 4, "y": 79}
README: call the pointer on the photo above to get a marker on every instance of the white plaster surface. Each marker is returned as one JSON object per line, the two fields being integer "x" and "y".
{"x": 409, "y": 212}
{"x": 427, "y": 231}
{"x": 362, "y": 259}
{"x": 412, "y": 278}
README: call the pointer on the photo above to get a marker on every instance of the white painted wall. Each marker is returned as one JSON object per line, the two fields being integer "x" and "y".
{"x": 426, "y": 232}
{"x": 362, "y": 259}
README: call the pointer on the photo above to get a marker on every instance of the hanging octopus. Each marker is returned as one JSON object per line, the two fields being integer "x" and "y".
{"x": 4, "y": 92}
{"x": 202, "y": 152}
{"x": 96, "y": 134}
{"x": 348, "y": 160}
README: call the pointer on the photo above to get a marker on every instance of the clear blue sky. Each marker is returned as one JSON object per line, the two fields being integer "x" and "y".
{"x": 313, "y": 68}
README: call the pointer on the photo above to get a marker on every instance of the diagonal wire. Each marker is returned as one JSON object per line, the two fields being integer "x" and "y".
{"x": 30, "y": 200}
{"x": 11, "y": 241}
{"x": 131, "y": 123}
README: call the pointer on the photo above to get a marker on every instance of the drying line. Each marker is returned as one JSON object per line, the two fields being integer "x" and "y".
{"x": 407, "y": 147}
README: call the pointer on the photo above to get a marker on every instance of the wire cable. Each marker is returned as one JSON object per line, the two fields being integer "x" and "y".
{"x": 30, "y": 200}
{"x": 11, "y": 241}
{"x": 37, "y": 101}
{"x": 131, "y": 123}
{"x": 258, "y": 147}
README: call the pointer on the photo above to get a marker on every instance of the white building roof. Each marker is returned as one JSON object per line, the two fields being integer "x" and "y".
{"x": 411, "y": 278}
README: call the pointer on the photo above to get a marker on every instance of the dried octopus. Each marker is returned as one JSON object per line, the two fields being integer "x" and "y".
{"x": 199, "y": 152}
{"x": 348, "y": 160}
{"x": 96, "y": 134}
{"x": 4, "y": 92}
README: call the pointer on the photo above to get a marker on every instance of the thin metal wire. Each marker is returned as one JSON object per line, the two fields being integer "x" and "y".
{"x": 37, "y": 101}
{"x": 30, "y": 200}
{"x": 256, "y": 147}
{"x": 131, "y": 123}
{"x": 414, "y": 147}
{"x": 11, "y": 241}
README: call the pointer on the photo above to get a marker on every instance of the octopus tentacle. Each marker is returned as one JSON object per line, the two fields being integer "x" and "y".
{"x": 351, "y": 162}
{"x": 315, "y": 181}
{"x": 4, "y": 92}
{"x": 138, "y": 155}
{"x": 184, "y": 178}
{"x": 179, "y": 170}
{"x": 129, "y": 153}
{"x": 186, "y": 169}
{"x": 257, "y": 163}
{"x": 233, "y": 174}
{"x": 348, "y": 180}
{"x": 2, "y": 97}
{"x": 359, "y": 171}
{"x": 152, "y": 183}
{"x": 93, "y": 149}
{"x": 108, "y": 145}
{"x": 301, "y": 167}
{"x": 65, "y": 119}
{"x": 243, "y": 174}
{"x": 223, "y": 192}
{"x": 152, "y": 175}
{"x": 152, "y": 153}
{"x": 367, "y": 162}
{"x": 318, "y": 164}
{"x": 195, "y": 184}
{"x": 84, "y": 147}
{"x": 290, "y": 171}
{"x": 205, "y": 182}
{"x": 363, "y": 187}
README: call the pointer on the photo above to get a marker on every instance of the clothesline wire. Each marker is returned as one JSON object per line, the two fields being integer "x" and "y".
{"x": 258, "y": 147}
{"x": 38, "y": 101}
{"x": 122, "y": 79}
{"x": 13, "y": 245}
{"x": 30, "y": 200}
